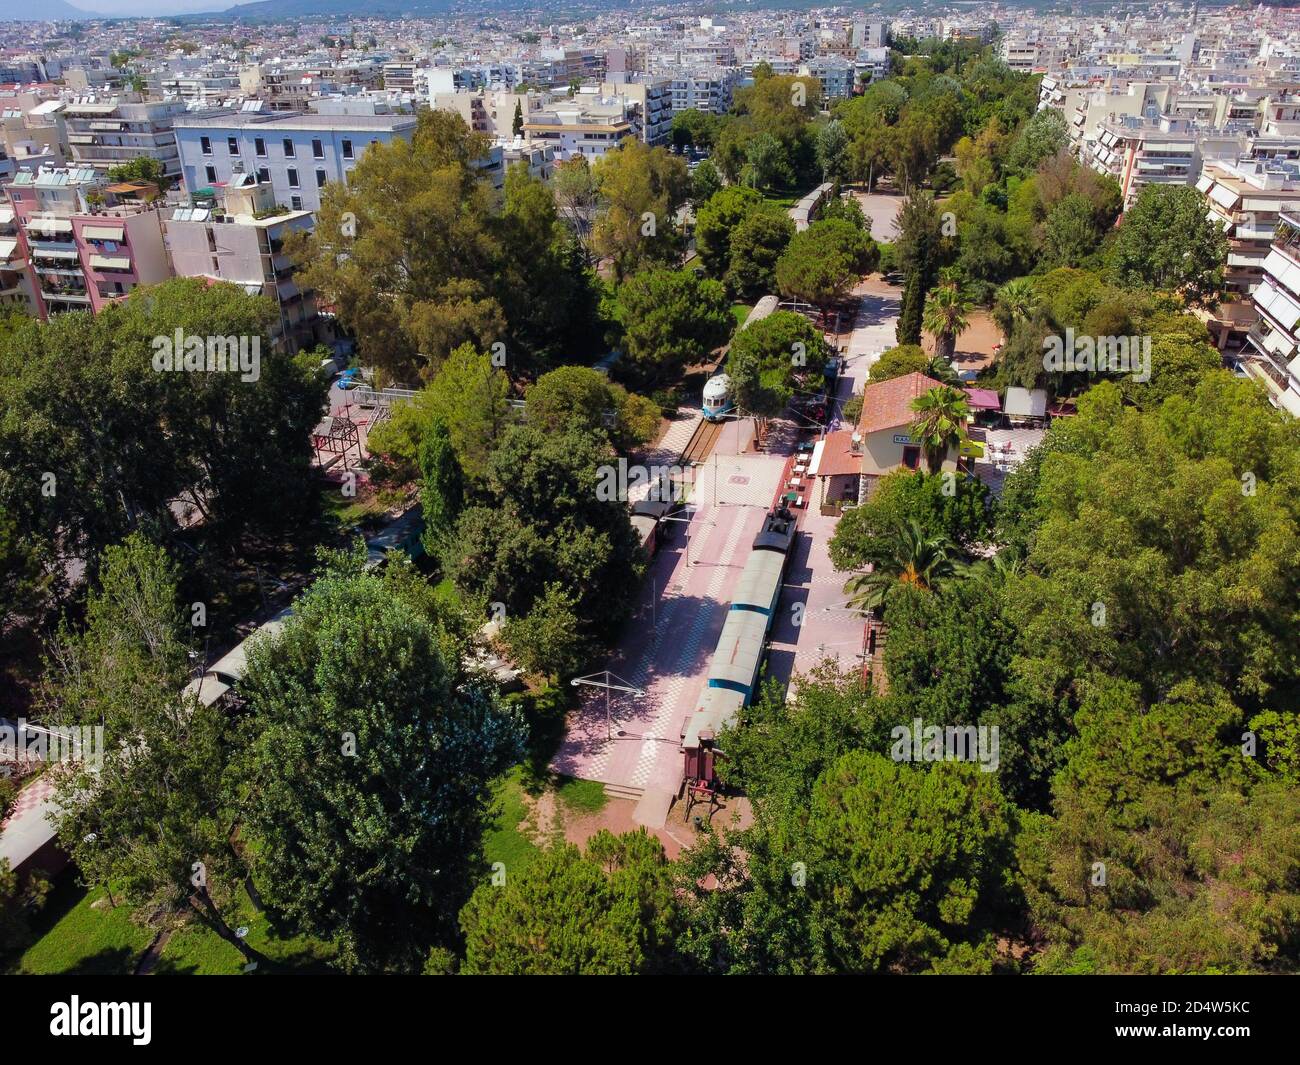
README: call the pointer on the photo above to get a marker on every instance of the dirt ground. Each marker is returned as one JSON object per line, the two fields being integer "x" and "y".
{"x": 547, "y": 818}
{"x": 881, "y": 208}
{"x": 975, "y": 345}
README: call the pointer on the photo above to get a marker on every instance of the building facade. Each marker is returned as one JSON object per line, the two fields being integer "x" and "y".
{"x": 85, "y": 242}
{"x": 240, "y": 239}
{"x": 297, "y": 155}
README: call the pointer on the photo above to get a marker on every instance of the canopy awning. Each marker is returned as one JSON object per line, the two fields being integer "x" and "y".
{"x": 983, "y": 399}
{"x": 102, "y": 233}
{"x": 109, "y": 262}
{"x": 39, "y": 225}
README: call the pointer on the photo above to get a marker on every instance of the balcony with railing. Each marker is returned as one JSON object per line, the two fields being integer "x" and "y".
{"x": 1286, "y": 236}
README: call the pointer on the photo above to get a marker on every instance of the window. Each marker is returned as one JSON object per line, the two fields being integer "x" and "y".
{"x": 289, "y": 151}
{"x": 211, "y": 172}
{"x": 295, "y": 202}
{"x": 347, "y": 149}
{"x": 232, "y": 145}
{"x": 263, "y": 175}
{"x": 317, "y": 149}
{"x": 320, "y": 179}
{"x": 259, "y": 145}
{"x": 912, "y": 457}
{"x": 293, "y": 177}
{"x": 205, "y": 143}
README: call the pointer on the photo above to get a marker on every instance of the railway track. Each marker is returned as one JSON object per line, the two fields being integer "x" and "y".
{"x": 702, "y": 441}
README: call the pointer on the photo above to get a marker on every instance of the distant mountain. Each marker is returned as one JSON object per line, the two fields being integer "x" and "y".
{"x": 46, "y": 11}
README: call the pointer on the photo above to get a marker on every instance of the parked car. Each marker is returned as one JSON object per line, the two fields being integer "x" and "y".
{"x": 350, "y": 378}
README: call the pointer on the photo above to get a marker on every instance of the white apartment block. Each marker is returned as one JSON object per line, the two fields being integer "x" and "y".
{"x": 1274, "y": 341}
{"x": 653, "y": 99}
{"x": 586, "y": 125}
{"x": 107, "y": 132}
{"x": 703, "y": 90}
{"x": 296, "y": 154}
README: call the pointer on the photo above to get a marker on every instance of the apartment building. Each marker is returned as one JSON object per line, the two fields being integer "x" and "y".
{"x": 539, "y": 159}
{"x": 1274, "y": 341}
{"x": 489, "y": 111}
{"x": 585, "y": 125}
{"x": 1245, "y": 196}
{"x": 86, "y": 242}
{"x": 872, "y": 64}
{"x": 868, "y": 33}
{"x": 106, "y": 132}
{"x": 399, "y": 77}
{"x": 240, "y": 238}
{"x": 653, "y": 99}
{"x": 431, "y": 80}
{"x": 296, "y": 154}
{"x": 15, "y": 278}
{"x": 209, "y": 89}
{"x": 704, "y": 89}
{"x": 834, "y": 73}
{"x": 290, "y": 87}
{"x": 1140, "y": 152}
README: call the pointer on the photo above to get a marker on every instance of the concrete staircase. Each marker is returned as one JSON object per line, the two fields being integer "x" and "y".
{"x": 624, "y": 791}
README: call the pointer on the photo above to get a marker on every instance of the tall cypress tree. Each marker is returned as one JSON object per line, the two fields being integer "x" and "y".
{"x": 909, "y": 318}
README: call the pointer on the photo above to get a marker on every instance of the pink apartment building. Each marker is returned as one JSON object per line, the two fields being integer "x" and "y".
{"x": 84, "y": 241}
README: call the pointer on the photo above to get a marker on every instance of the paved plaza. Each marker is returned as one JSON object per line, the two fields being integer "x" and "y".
{"x": 632, "y": 744}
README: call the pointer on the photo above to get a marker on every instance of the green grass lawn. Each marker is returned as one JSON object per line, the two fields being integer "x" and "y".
{"x": 197, "y": 950}
{"x": 504, "y": 841}
{"x": 582, "y": 796}
{"x": 740, "y": 311}
{"x": 74, "y": 938}
{"x": 352, "y": 511}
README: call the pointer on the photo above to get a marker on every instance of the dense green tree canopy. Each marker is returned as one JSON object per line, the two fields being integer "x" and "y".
{"x": 606, "y": 912}
{"x": 670, "y": 319}
{"x": 371, "y": 770}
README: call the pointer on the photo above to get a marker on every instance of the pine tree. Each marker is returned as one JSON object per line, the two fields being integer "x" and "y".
{"x": 519, "y": 118}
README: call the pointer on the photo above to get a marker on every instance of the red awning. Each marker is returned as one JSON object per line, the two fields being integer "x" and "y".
{"x": 983, "y": 399}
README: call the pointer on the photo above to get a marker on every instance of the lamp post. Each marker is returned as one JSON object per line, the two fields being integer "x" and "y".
{"x": 687, "y": 523}
{"x": 606, "y": 681}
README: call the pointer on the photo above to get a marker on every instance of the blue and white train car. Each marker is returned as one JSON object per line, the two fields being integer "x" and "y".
{"x": 738, "y": 660}
{"x": 718, "y": 400}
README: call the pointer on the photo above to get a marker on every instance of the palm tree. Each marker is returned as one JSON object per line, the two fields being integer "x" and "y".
{"x": 1015, "y": 302}
{"x": 919, "y": 559}
{"x": 942, "y": 370}
{"x": 997, "y": 569}
{"x": 941, "y": 416}
{"x": 945, "y": 318}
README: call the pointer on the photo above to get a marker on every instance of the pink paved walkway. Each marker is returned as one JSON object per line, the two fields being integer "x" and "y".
{"x": 670, "y": 661}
